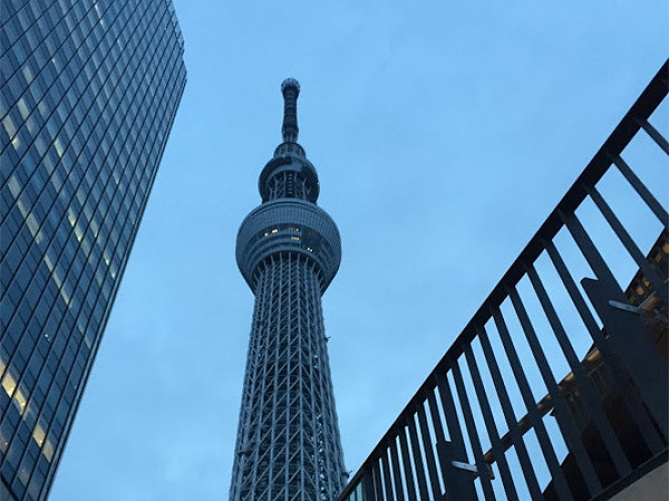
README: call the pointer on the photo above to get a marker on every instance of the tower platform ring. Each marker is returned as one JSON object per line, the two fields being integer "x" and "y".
{"x": 285, "y": 163}
{"x": 289, "y": 225}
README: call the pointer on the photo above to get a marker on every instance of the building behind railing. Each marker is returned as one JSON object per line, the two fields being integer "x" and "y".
{"x": 557, "y": 388}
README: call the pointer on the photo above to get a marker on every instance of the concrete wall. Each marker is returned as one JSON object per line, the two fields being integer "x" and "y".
{"x": 654, "y": 486}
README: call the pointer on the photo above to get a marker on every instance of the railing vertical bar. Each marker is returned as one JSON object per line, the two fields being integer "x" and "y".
{"x": 429, "y": 453}
{"x": 450, "y": 414}
{"x": 436, "y": 418}
{"x": 353, "y": 493}
{"x": 367, "y": 482}
{"x": 559, "y": 481}
{"x": 481, "y": 465}
{"x": 441, "y": 438}
{"x": 378, "y": 484}
{"x": 397, "y": 473}
{"x": 611, "y": 360}
{"x": 509, "y": 416}
{"x": 406, "y": 462}
{"x": 565, "y": 420}
{"x": 590, "y": 252}
{"x": 386, "y": 477}
{"x": 418, "y": 461}
{"x": 654, "y": 134}
{"x": 641, "y": 189}
{"x": 584, "y": 384}
{"x": 635, "y": 252}
{"x": 498, "y": 450}
{"x": 575, "y": 295}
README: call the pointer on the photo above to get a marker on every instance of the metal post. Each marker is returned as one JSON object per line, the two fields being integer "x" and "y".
{"x": 644, "y": 361}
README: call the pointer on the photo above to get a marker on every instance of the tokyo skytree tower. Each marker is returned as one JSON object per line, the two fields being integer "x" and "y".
{"x": 288, "y": 250}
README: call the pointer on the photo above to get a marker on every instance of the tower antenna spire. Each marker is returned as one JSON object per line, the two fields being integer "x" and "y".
{"x": 290, "y": 88}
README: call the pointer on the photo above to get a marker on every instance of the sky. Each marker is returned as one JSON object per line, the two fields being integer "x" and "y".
{"x": 443, "y": 135}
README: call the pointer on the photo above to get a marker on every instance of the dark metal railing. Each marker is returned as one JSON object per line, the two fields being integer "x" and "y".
{"x": 557, "y": 387}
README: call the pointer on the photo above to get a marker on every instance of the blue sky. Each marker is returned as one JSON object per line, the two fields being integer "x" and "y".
{"x": 443, "y": 135}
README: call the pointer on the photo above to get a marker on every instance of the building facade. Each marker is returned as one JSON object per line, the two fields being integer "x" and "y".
{"x": 288, "y": 250}
{"x": 88, "y": 93}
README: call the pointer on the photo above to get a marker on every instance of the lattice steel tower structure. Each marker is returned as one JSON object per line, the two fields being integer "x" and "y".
{"x": 288, "y": 250}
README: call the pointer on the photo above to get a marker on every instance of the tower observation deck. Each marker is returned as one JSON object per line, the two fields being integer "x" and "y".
{"x": 288, "y": 250}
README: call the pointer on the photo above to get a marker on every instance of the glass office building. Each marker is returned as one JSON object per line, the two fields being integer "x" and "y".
{"x": 88, "y": 94}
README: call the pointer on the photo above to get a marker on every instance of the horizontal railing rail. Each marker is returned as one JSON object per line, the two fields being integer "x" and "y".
{"x": 557, "y": 386}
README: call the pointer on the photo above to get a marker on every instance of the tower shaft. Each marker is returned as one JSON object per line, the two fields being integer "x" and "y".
{"x": 288, "y": 445}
